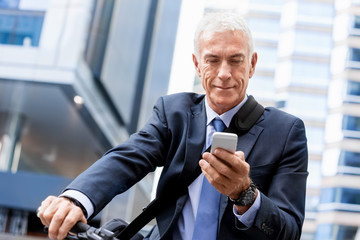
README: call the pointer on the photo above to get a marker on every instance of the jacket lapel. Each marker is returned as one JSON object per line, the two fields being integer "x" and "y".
{"x": 195, "y": 141}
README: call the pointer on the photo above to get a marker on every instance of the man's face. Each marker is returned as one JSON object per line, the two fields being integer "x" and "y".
{"x": 225, "y": 68}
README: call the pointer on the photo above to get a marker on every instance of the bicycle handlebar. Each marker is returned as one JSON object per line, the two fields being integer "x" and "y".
{"x": 80, "y": 227}
{"x": 84, "y": 231}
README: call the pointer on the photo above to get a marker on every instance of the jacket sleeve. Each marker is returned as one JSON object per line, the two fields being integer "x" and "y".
{"x": 126, "y": 164}
{"x": 281, "y": 212}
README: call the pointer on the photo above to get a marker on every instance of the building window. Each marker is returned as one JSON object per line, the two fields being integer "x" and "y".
{"x": 327, "y": 195}
{"x": 357, "y": 22}
{"x": 280, "y": 104}
{"x": 335, "y": 232}
{"x": 318, "y": 9}
{"x": 351, "y": 123}
{"x": 340, "y": 195}
{"x": 350, "y": 195}
{"x": 9, "y": 4}
{"x": 353, "y": 88}
{"x": 312, "y": 203}
{"x": 354, "y": 54}
{"x": 19, "y": 26}
{"x": 349, "y": 159}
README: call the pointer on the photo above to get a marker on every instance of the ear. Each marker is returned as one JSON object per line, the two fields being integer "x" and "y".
{"x": 253, "y": 64}
{"x": 196, "y": 64}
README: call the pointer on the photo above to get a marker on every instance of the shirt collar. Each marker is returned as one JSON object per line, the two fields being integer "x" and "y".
{"x": 226, "y": 116}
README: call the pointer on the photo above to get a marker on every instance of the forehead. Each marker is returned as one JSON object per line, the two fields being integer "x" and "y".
{"x": 225, "y": 41}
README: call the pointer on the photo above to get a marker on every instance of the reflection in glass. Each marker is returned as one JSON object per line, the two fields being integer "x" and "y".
{"x": 51, "y": 134}
{"x": 351, "y": 123}
{"x": 335, "y": 232}
{"x": 353, "y": 88}
{"x": 340, "y": 195}
{"x": 21, "y": 28}
{"x": 349, "y": 159}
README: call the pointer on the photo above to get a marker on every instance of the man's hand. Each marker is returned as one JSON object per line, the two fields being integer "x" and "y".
{"x": 60, "y": 214}
{"x": 227, "y": 172}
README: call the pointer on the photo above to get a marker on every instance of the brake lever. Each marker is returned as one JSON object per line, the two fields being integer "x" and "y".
{"x": 96, "y": 234}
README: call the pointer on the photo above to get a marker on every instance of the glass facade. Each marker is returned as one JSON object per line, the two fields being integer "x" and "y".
{"x": 268, "y": 60}
{"x": 259, "y": 26}
{"x": 351, "y": 123}
{"x": 306, "y": 74}
{"x": 19, "y": 26}
{"x": 356, "y": 22}
{"x": 136, "y": 64}
{"x": 340, "y": 195}
{"x": 49, "y": 148}
{"x": 354, "y": 54}
{"x": 108, "y": 54}
{"x": 353, "y": 88}
{"x": 160, "y": 61}
{"x": 311, "y": 204}
{"x": 321, "y": 43}
{"x": 349, "y": 159}
{"x": 313, "y": 8}
{"x": 124, "y": 55}
{"x": 336, "y": 232}
{"x": 10, "y": 4}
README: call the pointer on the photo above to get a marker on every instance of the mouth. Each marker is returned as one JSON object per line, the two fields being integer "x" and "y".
{"x": 224, "y": 88}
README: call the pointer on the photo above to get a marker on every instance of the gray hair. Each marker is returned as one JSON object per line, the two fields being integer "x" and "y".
{"x": 219, "y": 22}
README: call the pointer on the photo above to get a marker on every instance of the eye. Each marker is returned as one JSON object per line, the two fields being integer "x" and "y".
{"x": 236, "y": 60}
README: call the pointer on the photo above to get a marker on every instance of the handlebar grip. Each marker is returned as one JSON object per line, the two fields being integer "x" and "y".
{"x": 80, "y": 227}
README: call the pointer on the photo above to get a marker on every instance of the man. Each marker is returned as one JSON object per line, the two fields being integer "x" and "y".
{"x": 262, "y": 184}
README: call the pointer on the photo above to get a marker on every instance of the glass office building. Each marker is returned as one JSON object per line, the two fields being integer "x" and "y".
{"x": 339, "y": 207}
{"x": 308, "y": 65}
{"x": 76, "y": 78}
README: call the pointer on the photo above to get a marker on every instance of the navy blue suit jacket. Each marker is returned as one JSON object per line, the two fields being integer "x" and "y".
{"x": 275, "y": 147}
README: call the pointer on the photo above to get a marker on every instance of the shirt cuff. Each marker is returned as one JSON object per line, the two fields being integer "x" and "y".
{"x": 248, "y": 217}
{"x": 82, "y": 198}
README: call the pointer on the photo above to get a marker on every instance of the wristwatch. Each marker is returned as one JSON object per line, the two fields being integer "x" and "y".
{"x": 246, "y": 197}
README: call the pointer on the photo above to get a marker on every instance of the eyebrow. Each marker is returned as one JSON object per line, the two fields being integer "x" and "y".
{"x": 210, "y": 55}
{"x": 237, "y": 55}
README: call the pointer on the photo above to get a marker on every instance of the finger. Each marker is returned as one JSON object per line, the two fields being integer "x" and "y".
{"x": 63, "y": 207}
{"x": 235, "y": 162}
{"x": 223, "y": 176}
{"x": 224, "y": 185}
{"x": 211, "y": 174}
{"x": 74, "y": 215}
{"x": 223, "y": 166}
{"x": 45, "y": 220}
{"x": 241, "y": 155}
{"x": 215, "y": 181}
{"x": 223, "y": 154}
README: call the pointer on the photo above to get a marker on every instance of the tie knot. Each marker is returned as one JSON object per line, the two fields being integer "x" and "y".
{"x": 219, "y": 125}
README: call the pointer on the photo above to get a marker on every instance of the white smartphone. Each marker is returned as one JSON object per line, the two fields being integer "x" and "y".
{"x": 227, "y": 141}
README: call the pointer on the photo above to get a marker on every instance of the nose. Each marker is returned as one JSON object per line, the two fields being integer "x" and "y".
{"x": 224, "y": 71}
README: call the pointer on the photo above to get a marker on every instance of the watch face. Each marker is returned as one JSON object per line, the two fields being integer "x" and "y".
{"x": 247, "y": 197}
